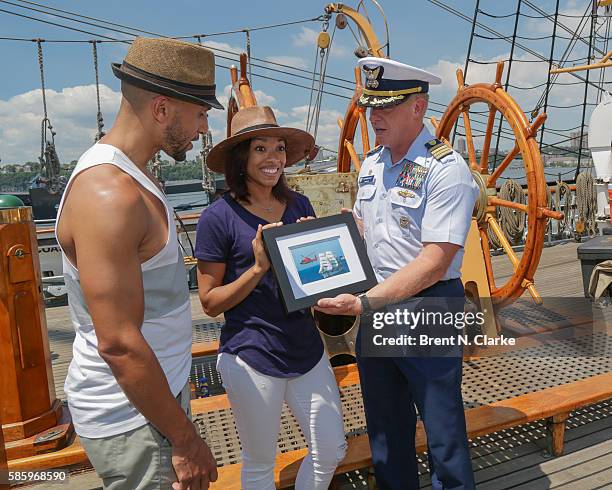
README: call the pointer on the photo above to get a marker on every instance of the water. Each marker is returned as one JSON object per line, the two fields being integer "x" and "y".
{"x": 516, "y": 171}
{"x": 188, "y": 200}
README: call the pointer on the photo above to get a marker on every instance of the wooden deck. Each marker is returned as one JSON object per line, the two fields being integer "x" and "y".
{"x": 512, "y": 458}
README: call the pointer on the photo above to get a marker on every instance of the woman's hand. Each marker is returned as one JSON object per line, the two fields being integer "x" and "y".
{"x": 262, "y": 263}
{"x": 304, "y": 218}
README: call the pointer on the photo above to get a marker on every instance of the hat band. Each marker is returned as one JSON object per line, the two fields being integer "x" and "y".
{"x": 173, "y": 84}
{"x": 389, "y": 93}
{"x": 257, "y": 126}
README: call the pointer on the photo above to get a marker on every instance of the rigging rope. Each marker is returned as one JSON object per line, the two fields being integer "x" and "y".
{"x": 99, "y": 118}
{"x": 50, "y": 11}
{"x": 461, "y": 15}
{"x": 549, "y": 205}
{"x": 511, "y": 221}
{"x": 248, "y": 50}
{"x": 208, "y": 179}
{"x": 563, "y": 203}
{"x": 493, "y": 16}
{"x": 312, "y": 124}
{"x": 277, "y": 80}
{"x": 586, "y": 203}
{"x": 49, "y": 161}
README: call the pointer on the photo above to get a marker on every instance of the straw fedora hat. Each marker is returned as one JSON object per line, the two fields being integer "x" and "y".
{"x": 178, "y": 69}
{"x": 259, "y": 121}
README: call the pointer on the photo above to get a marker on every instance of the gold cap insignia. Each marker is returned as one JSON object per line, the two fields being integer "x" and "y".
{"x": 372, "y": 75}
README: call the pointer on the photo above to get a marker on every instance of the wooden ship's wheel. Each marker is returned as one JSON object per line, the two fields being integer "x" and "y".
{"x": 355, "y": 116}
{"x": 525, "y": 146}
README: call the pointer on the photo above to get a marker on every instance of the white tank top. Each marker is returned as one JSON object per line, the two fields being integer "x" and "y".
{"x": 97, "y": 403}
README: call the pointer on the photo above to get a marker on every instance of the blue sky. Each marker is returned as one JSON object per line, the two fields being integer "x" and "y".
{"x": 421, "y": 34}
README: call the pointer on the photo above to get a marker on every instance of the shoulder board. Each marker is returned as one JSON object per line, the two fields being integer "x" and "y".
{"x": 374, "y": 150}
{"x": 438, "y": 149}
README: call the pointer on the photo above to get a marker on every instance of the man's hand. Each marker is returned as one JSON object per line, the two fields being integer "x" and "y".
{"x": 194, "y": 464}
{"x": 343, "y": 304}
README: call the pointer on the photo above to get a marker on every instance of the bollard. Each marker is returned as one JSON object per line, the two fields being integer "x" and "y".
{"x": 33, "y": 420}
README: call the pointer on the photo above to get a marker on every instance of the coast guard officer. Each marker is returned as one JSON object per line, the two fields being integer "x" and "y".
{"x": 414, "y": 206}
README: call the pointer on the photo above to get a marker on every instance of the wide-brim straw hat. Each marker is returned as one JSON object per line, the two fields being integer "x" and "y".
{"x": 259, "y": 121}
{"x": 178, "y": 69}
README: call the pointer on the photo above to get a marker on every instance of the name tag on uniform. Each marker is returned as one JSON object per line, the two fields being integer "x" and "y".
{"x": 368, "y": 179}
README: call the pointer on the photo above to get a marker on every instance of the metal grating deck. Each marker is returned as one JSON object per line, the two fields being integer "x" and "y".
{"x": 485, "y": 380}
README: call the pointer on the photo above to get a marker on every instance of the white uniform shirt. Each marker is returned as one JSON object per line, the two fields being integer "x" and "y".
{"x": 399, "y": 219}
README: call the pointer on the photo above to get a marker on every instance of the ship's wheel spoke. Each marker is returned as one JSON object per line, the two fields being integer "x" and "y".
{"x": 486, "y": 252}
{"x": 527, "y": 284}
{"x": 492, "y": 181}
{"x": 484, "y": 157}
{"x": 354, "y": 116}
{"x": 365, "y": 137}
{"x": 354, "y": 158}
{"x": 469, "y": 137}
{"x": 495, "y": 201}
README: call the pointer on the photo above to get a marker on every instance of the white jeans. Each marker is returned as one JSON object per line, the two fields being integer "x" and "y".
{"x": 257, "y": 402}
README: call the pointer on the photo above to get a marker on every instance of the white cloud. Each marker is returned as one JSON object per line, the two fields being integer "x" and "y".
{"x": 223, "y": 47}
{"x": 306, "y": 37}
{"x": 523, "y": 75}
{"x": 72, "y": 112}
{"x": 569, "y": 19}
{"x": 293, "y": 61}
{"x": 327, "y": 131}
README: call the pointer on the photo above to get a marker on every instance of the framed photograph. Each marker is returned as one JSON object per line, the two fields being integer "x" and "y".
{"x": 318, "y": 258}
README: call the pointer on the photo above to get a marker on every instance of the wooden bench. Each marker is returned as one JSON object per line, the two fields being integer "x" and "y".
{"x": 554, "y": 404}
{"x": 75, "y": 454}
{"x": 201, "y": 349}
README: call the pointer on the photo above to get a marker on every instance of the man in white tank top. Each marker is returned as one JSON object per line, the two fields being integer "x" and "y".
{"x": 127, "y": 384}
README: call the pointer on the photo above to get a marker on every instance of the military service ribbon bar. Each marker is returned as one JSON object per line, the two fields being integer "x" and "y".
{"x": 411, "y": 176}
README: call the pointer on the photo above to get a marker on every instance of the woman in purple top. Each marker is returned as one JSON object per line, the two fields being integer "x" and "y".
{"x": 266, "y": 355}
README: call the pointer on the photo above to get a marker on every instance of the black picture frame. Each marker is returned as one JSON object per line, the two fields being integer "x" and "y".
{"x": 348, "y": 271}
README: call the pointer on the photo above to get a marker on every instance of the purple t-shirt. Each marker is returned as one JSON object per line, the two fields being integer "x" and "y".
{"x": 257, "y": 329}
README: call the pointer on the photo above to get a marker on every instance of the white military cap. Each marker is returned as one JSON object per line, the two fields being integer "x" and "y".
{"x": 390, "y": 82}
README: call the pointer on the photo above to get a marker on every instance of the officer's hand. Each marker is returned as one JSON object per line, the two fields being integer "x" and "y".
{"x": 304, "y": 218}
{"x": 261, "y": 258}
{"x": 343, "y": 304}
{"x": 346, "y": 210}
{"x": 194, "y": 464}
